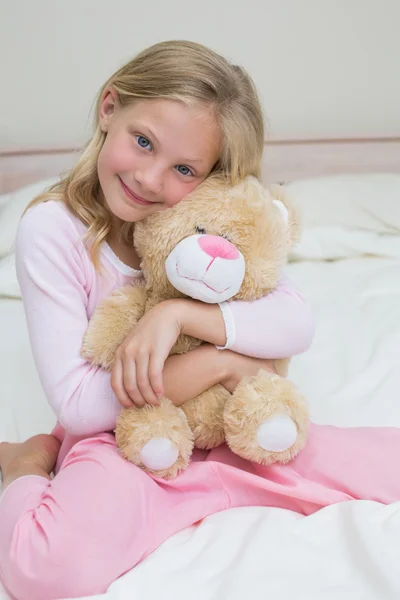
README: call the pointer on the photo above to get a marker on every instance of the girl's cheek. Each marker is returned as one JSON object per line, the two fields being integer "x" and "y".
{"x": 177, "y": 191}
{"x": 172, "y": 192}
{"x": 122, "y": 158}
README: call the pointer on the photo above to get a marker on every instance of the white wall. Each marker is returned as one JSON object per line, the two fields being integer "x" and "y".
{"x": 323, "y": 67}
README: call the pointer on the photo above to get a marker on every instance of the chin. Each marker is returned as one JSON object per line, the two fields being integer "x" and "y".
{"x": 124, "y": 211}
{"x": 129, "y": 214}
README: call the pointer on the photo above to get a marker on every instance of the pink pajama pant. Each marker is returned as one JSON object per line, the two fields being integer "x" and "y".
{"x": 100, "y": 516}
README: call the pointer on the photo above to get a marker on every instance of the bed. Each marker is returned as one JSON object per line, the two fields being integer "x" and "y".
{"x": 348, "y": 265}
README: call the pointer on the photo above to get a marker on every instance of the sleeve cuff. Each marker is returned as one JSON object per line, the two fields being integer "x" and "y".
{"x": 229, "y": 326}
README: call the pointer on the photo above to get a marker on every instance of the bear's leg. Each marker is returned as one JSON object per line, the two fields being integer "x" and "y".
{"x": 205, "y": 415}
{"x": 266, "y": 419}
{"x": 156, "y": 438}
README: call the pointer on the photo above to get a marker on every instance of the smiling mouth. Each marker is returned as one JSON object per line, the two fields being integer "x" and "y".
{"x": 200, "y": 281}
{"x": 133, "y": 196}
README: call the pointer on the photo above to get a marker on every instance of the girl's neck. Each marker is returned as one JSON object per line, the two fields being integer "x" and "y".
{"x": 124, "y": 250}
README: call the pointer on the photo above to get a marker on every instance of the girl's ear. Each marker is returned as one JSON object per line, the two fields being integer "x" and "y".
{"x": 108, "y": 106}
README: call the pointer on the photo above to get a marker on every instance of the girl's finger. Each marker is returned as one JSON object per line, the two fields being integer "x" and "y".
{"x": 143, "y": 382}
{"x": 156, "y": 366}
{"x": 117, "y": 384}
{"x": 130, "y": 382}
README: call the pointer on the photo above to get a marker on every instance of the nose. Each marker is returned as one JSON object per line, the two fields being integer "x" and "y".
{"x": 150, "y": 180}
{"x": 217, "y": 247}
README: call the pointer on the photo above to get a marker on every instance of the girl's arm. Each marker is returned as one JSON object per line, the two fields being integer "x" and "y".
{"x": 279, "y": 325}
{"x": 188, "y": 375}
{"x": 55, "y": 287}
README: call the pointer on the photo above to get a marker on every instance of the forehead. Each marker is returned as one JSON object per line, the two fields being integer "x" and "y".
{"x": 192, "y": 131}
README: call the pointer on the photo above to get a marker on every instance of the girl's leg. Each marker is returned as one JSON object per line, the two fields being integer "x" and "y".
{"x": 101, "y": 515}
{"x": 337, "y": 464}
{"x": 74, "y": 535}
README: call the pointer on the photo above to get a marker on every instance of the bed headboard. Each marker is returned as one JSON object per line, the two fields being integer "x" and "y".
{"x": 284, "y": 160}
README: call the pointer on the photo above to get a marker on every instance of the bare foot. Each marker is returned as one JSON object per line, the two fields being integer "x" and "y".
{"x": 36, "y": 456}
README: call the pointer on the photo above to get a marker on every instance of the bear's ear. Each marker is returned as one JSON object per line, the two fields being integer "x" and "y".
{"x": 290, "y": 213}
{"x": 282, "y": 209}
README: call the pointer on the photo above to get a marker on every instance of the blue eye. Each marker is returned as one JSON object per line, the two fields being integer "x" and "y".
{"x": 183, "y": 170}
{"x": 143, "y": 142}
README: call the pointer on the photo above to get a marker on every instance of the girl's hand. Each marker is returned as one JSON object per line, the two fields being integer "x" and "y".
{"x": 136, "y": 376}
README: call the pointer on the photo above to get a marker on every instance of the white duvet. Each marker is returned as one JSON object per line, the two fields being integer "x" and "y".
{"x": 348, "y": 264}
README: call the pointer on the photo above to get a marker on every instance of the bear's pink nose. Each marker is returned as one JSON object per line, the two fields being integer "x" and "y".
{"x": 217, "y": 247}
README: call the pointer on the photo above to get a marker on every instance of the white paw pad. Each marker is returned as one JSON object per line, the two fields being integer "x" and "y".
{"x": 159, "y": 454}
{"x": 277, "y": 434}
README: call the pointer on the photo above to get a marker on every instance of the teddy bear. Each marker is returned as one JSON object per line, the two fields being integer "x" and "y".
{"x": 222, "y": 242}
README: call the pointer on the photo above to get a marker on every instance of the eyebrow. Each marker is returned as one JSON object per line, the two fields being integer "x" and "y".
{"x": 153, "y": 135}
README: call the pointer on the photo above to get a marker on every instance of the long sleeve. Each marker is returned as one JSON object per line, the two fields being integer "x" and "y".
{"x": 279, "y": 325}
{"x": 55, "y": 283}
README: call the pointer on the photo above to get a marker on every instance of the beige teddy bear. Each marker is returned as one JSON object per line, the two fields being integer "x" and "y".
{"x": 221, "y": 242}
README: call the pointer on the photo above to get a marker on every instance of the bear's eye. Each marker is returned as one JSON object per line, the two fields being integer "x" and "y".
{"x": 225, "y": 237}
{"x": 200, "y": 230}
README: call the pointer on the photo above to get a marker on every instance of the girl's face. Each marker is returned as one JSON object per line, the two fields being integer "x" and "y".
{"x": 154, "y": 154}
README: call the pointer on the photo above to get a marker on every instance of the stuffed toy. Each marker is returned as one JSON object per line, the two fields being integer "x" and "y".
{"x": 220, "y": 243}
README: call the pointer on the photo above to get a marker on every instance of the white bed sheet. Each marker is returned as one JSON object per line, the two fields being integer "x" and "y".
{"x": 351, "y": 376}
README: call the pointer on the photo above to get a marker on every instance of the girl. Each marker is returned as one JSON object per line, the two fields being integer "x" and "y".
{"x": 164, "y": 122}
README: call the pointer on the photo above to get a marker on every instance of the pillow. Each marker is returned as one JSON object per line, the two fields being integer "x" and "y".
{"x": 337, "y": 243}
{"x": 368, "y": 202}
{"x": 12, "y": 207}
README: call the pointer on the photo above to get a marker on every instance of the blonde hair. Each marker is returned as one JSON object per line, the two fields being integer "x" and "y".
{"x": 175, "y": 70}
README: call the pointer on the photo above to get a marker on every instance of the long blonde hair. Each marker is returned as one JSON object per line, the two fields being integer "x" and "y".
{"x": 175, "y": 70}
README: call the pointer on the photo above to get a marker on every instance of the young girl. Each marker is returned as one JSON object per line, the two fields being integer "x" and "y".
{"x": 164, "y": 122}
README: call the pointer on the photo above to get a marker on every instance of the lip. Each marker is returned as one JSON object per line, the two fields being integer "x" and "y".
{"x": 132, "y": 196}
